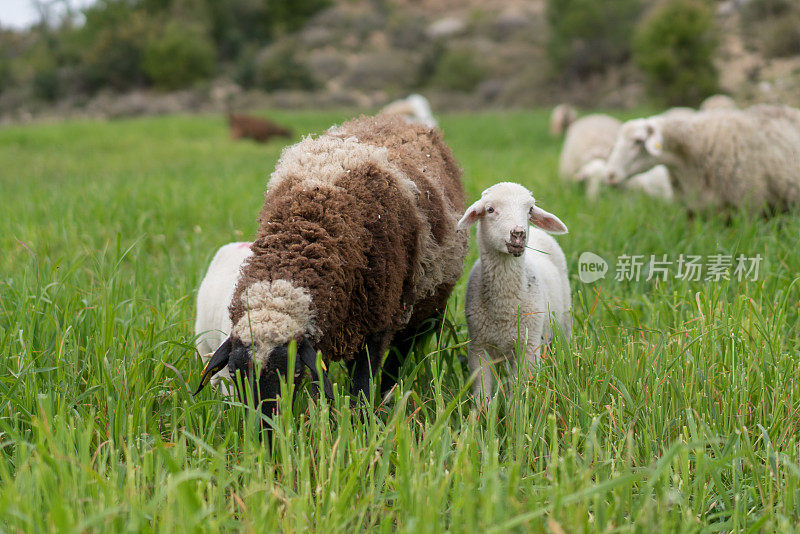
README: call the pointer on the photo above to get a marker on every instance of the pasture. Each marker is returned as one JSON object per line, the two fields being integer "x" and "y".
{"x": 675, "y": 407}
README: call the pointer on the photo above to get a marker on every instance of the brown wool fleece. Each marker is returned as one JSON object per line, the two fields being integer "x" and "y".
{"x": 374, "y": 250}
{"x": 245, "y": 126}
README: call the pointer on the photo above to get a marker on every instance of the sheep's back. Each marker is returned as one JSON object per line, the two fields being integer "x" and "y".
{"x": 590, "y": 137}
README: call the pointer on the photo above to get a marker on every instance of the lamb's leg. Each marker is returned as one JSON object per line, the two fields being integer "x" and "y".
{"x": 366, "y": 364}
{"x": 481, "y": 362}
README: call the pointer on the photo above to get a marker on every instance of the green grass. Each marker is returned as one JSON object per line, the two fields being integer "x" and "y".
{"x": 675, "y": 407}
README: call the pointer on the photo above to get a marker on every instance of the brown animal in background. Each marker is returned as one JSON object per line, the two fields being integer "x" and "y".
{"x": 255, "y": 128}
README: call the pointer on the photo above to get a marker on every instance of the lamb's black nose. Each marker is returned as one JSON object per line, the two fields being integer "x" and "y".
{"x": 517, "y": 236}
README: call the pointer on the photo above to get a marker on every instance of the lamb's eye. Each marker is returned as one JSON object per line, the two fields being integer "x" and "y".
{"x": 490, "y": 210}
{"x": 530, "y": 211}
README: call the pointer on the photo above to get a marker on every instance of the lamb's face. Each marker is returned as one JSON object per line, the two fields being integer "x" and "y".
{"x": 637, "y": 149}
{"x": 503, "y": 214}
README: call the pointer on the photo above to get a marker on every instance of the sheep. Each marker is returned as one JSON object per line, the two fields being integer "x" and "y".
{"x": 718, "y": 102}
{"x": 255, "y": 128}
{"x": 562, "y": 116}
{"x": 414, "y": 108}
{"x": 588, "y": 138}
{"x": 729, "y": 159}
{"x": 653, "y": 183}
{"x": 212, "y": 324}
{"x": 357, "y": 248}
{"x": 513, "y": 293}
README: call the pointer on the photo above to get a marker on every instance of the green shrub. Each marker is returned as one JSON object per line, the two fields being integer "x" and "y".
{"x": 278, "y": 67}
{"x": 756, "y": 10}
{"x": 781, "y": 36}
{"x": 178, "y": 57}
{"x": 46, "y": 84}
{"x": 674, "y": 47}
{"x": 457, "y": 70}
{"x": 114, "y": 57}
{"x": 587, "y": 36}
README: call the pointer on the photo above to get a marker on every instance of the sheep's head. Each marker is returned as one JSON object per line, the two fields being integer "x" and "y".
{"x": 503, "y": 214}
{"x": 257, "y": 351}
{"x": 638, "y": 148}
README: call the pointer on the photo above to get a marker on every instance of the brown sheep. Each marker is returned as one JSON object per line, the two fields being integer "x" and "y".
{"x": 357, "y": 247}
{"x": 255, "y": 128}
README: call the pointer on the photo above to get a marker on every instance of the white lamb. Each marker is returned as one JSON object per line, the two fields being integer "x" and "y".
{"x": 414, "y": 108}
{"x": 213, "y": 323}
{"x": 560, "y": 119}
{"x": 513, "y": 293}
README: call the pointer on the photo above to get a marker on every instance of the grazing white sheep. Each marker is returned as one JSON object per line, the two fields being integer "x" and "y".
{"x": 213, "y": 324}
{"x": 414, "y": 108}
{"x": 748, "y": 159}
{"x": 519, "y": 283}
{"x": 560, "y": 119}
{"x": 588, "y": 138}
{"x": 653, "y": 183}
{"x": 718, "y": 102}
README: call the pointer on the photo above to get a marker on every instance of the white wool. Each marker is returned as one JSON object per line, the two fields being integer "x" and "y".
{"x": 588, "y": 138}
{"x": 654, "y": 183}
{"x": 213, "y": 324}
{"x": 275, "y": 313}
{"x": 512, "y": 299}
{"x": 724, "y": 158}
{"x": 560, "y": 119}
{"x": 414, "y": 108}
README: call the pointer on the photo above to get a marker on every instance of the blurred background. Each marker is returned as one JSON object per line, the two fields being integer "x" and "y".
{"x": 113, "y": 58}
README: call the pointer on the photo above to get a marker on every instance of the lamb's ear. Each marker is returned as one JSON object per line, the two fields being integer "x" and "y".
{"x": 547, "y": 221}
{"x": 473, "y": 213}
{"x": 654, "y": 144}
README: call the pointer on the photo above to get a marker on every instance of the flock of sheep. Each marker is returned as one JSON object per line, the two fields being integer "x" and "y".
{"x": 364, "y": 232}
{"x": 716, "y": 158}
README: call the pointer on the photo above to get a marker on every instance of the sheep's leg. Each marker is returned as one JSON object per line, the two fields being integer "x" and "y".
{"x": 481, "y": 363}
{"x": 366, "y": 364}
{"x": 402, "y": 344}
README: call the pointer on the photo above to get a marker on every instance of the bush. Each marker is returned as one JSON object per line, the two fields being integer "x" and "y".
{"x": 383, "y": 70}
{"x": 114, "y": 59}
{"x": 756, "y": 10}
{"x": 178, "y": 57}
{"x": 457, "y": 70}
{"x": 781, "y": 36}
{"x": 278, "y": 67}
{"x": 587, "y": 36}
{"x": 674, "y": 47}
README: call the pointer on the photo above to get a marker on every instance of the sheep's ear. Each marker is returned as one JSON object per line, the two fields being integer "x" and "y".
{"x": 547, "y": 221}
{"x": 654, "y": 144}
{"x": 473, "y": 213}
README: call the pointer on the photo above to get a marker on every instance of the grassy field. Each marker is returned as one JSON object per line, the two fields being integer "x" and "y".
{"x": 676, "y": 406}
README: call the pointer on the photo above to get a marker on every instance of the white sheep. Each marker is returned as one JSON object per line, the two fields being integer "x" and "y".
{"x": 748, "y": 159}
{"x": 414, "y": 108}
{"x": 213, "y": 324}
{"x": 653, "y": 183}
{"x": 513, "y": 293}
{"x": 588, "y": 138}
{"x": 718, "y": 102}
{"x": 560, "y": 119}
